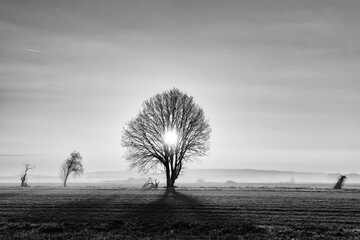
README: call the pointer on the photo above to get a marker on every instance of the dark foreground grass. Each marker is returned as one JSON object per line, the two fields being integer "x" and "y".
{"x": 119, "y": 229}
{"x": 182, "y": 214}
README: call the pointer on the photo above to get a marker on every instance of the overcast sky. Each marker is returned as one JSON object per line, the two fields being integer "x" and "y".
{"x": 278, "y": 80}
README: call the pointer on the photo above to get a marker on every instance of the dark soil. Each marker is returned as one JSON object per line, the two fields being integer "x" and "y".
{"x": 181, "y": 214}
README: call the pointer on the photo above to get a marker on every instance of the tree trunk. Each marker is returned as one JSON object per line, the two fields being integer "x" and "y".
{"x": 170, "y": 183}
{"x": 22, "y": 182}
{"x": 65, "y": 180}
{"x": 339, "y": 184}
{"x": 169, "y": 179}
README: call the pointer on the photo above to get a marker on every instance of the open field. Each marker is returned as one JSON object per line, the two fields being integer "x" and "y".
{"x": 240, "y": 213}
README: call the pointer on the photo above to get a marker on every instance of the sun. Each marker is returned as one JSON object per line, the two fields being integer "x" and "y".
{"x": 170, "y": 137}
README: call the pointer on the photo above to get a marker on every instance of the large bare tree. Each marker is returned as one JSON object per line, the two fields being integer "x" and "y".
{"x": 170, "y": 130}
{"x": 70, "y": 165}
{"x": 24, "y": 174}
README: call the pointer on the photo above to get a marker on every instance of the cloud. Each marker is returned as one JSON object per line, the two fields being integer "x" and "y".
{"x": 34, "y": 50}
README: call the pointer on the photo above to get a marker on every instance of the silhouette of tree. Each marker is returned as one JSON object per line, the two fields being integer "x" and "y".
{"x": 24, "y": 175}
{"x": 170, "y": 130}
{"x": 340, "y": 182}
{"x": 70, "y": 165}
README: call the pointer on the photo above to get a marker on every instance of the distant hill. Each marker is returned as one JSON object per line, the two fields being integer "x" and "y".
{"x": 201, "y": 175}
{"x": 262, "y": 176}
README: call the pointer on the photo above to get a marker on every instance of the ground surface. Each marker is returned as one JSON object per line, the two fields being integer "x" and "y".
{"x": 225, "y": 213}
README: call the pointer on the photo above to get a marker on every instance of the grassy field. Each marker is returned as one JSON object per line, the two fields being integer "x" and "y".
{"x": 190, "y": 213}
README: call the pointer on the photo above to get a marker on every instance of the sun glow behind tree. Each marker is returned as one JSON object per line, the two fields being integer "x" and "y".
{"x": 170, "y": 137}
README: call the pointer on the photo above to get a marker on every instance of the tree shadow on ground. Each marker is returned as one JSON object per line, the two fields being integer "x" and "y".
{"x": 178, "y": 213}
{"x": 172, "y": 205}
{"x": 158, "y": 214}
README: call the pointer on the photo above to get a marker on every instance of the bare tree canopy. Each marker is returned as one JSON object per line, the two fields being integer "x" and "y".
{"x": 170, "y": 130}
{"x": 70, "y": 165}
{"x": 24, "y": 174}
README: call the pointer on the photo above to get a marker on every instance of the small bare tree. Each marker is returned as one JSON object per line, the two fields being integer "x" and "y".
{"x": 170, "y": 131}
{"x": 24, "y": 174}
{"x": 150, "y": 184}
{"x": 70, "y": 165}
{"x": 340, "y": 182}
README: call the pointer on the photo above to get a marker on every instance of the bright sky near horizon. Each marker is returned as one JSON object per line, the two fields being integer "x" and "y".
{"x": 278, "y": 80}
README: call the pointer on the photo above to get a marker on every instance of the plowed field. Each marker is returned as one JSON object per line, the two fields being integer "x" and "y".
{"x": 241, "y": 213}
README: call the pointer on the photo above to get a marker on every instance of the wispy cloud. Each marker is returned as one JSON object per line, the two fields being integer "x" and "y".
{"x": 34, "y": 50}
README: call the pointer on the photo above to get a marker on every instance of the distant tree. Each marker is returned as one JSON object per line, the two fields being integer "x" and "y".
{"x": 340, "y": 182}
{"x": 170, "y": 130}
{"x": 70, "y": 165}
{"x": 24, "y": 174}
